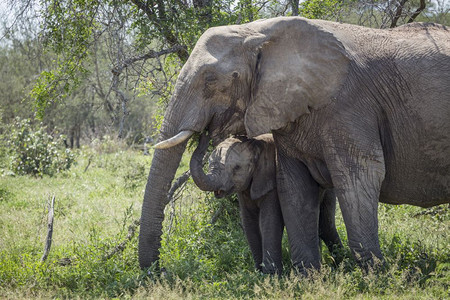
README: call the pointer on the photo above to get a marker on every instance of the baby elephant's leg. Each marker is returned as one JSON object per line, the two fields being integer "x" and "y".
{"x": 271, "y": 225}
{"x": 249, "y": 211}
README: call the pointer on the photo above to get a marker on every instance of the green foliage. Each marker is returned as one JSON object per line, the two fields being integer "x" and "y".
{"x": 68, "y": 31}
{"x": 179, "y": 22}
{"x": 78, "y": 268}
{"x": 77, "y": 18}
{"x": 135, "y": 176}
{"x": 163, "y": 90}
{"x": 319, "y": 9}
{"x": 33, "y": 151}
{"x": 194, "y": 248}
{"x": 55, "y": 85}
{"x": 72, "y": 30}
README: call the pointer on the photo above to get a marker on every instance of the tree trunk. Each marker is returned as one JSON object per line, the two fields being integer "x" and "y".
{"x": 294, "y": 6}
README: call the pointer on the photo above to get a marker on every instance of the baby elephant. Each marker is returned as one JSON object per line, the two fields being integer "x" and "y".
{"x": 248, "y": 167}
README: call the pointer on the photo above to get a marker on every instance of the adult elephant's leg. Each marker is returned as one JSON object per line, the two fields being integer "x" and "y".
{"x": 271, "y": 225}
{"x": 299, "y": 200}
{"x": 357, "y": 176}
{"x": 250, "y": 222}
{"x": 327, "y": 224}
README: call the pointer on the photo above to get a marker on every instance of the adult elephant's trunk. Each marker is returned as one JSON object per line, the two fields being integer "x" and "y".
{"x": 182, "y": 118}
{"x": 204, "y": 181}
{"x": 164, "y": 165}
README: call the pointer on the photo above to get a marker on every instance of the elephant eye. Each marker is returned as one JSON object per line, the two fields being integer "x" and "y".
{"x": 210, "y": 77}
{"x": 237, "y": 168}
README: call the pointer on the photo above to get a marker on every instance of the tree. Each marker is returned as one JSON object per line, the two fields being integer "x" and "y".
{"x": 132, "y": 33}
{"x": 98, "y": 60}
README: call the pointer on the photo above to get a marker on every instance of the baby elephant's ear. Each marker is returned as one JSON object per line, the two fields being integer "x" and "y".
{"x": 264, "y": 176}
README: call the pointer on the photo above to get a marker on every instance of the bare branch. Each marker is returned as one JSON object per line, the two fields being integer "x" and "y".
{"x": 150, "y": 54}
{"x": 398, "y": 13}
{"x": 120, "y": 247}
{"x": 117, "y": 71}
{"x": 158, "y": 20}
{"x": 17, "y": 17}
{"x": 417, "y": 12}
{"x": 179, "y": 182}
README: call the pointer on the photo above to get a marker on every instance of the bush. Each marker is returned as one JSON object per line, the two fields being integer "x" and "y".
{"x": 33, "y": 151}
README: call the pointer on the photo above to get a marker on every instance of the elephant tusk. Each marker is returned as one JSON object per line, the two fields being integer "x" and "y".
{"x": 173, "y": 141}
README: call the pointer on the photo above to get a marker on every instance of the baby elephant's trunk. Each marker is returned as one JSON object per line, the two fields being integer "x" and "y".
{"x": 205, "y": 182}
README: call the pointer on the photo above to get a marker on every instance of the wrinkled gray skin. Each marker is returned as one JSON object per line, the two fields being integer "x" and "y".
{"x": 247, "y": 167}
{"x": 363, "y": 111}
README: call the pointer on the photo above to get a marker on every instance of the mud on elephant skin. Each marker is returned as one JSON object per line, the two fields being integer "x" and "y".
{"x": 248, "y": 167}
{"x": 363, "y": 111}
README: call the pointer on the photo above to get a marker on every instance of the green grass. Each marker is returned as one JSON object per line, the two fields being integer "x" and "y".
{"x": 202, "y": 261}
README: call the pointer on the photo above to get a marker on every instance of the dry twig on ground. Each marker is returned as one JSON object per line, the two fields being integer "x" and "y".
{"x": 48, "y": 240}
{"x": 120, "y": 247}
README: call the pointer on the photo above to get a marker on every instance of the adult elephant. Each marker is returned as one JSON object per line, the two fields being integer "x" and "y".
{"x": 365, "y": 111}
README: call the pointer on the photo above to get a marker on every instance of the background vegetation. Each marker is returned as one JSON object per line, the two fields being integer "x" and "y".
{"x": 90, "y": 68}
{"x": 83, "y": 86}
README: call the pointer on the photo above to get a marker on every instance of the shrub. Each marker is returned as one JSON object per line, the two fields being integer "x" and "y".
{"x": 33, "y": 151}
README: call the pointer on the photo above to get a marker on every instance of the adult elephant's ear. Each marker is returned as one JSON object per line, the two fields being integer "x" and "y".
{"x": 299, "y": 66}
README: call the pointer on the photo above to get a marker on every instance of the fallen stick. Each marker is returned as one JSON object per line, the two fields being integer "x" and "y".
{"x": 120, "y": 247}
{"x": 50, "y": 218}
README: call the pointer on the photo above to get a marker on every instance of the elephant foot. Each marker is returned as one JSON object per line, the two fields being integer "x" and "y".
{"x": 305, "y": 271}
{"x": 271, "y": 269}
{"x": 371, "y": 262}
{"x": 338, "y": 253}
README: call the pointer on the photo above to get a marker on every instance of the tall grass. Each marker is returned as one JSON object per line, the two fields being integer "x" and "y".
{"x": 100, "y": 197}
